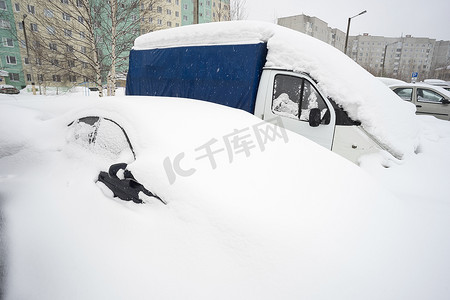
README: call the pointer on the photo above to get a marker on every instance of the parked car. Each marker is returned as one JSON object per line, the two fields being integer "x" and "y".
{"x": 8, "y": 89}
{"x": 438, "y": 82}
{"x": 390, "y": 81}
{"x": 428, "y": 99}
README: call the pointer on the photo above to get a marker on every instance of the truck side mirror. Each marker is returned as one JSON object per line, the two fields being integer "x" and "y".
{"x": 314, "y": 117}
{"x": 445, "y": 101}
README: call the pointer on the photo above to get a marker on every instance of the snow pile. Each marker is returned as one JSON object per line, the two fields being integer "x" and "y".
{"x": 291, "y": 220}
{"x": 381, "y": 112}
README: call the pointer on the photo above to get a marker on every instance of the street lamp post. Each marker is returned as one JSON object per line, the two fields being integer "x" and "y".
{"x": 348, "y": 29}
{"x": 33, "y": 87}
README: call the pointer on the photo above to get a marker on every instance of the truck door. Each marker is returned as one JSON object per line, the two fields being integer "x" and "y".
{"x": 292, "y": 97}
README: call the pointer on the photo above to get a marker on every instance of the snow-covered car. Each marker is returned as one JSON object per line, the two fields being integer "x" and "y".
{"x": 390, "y": 81}
{"x": 438, "y": 82}
{"x": 8, "y": 89}
{"x": 243, "y": 209}
{"x": 428, "y": 99}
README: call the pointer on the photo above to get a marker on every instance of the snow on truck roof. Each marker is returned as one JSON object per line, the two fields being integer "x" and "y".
{"x": 383, "y": 114}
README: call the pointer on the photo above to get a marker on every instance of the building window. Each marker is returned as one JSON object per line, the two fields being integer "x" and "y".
{"x": 159, "y": 22}
{"x": 20, "y": 25}
{"x": 54, "y": 62}
{"x": 38, "y": 61}
{"x": 40, "y": 77}
{"x": 17, "y": 6}
{"x": 168, "y": 12}
{"x": 72, "y": 78}
{"x": 3, "y": 5}
{"x": 67, "y": 32}
{"x": 169, "y": 24}
{"x": 48, "y": 13}
{"x": 30, "y": 9}
{"x": 177, "y": 14}
{"x": 14, "y": 76}
{"x": 80, "y": 19}
{"x": 53, "y": 46}
{"x": 83, "y": 49}
{"x": 51, "y": 30}
{"x": 185, "y": 18}
{"x": 159, "y": 9}
{"x": 5, "y": 24}
{"x": 69, "y": 48}
{"x": 71, "y": 63}
{"x": 82, "y": 36}
{"x": 34, "y": 27}
{"x": 185, "y": 6}
{"x": 79, "y": 3}
{"x": 8, "y": 42}
{"x": 11, "y": 60}
{"x": 65, "y": 1}
{"x": 26, "y": 60}
{"x": 29, "y": 77}
{"x": 56, "y": 78}
{"x": 177, "y": 2}
{"x": 66, "y": 17}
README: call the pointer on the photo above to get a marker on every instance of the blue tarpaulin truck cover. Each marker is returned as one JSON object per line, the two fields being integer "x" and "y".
{"x": 223, "y": 74}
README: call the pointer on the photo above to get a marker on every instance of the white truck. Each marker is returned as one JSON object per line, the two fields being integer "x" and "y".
{"x": 273, "y": 72}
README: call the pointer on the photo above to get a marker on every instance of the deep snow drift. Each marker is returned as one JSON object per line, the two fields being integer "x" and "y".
{"x": 293, "y": 221}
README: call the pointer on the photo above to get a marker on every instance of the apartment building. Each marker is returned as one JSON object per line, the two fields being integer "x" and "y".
{"x": 382, "y": 56}
{"x": 56, "y": 42}
{"x": 393, "y": 57}
{"x": 54, "y": 46}
{"x": 441, "y": 60}
{"x": 10, "y": 57}
{"x": 315, "y": 27}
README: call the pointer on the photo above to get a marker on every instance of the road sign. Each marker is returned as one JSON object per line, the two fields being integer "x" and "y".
{"x": 415, "y": 74}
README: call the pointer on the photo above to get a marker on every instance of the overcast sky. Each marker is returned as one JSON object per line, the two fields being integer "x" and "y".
{"x": 392, "y": 18}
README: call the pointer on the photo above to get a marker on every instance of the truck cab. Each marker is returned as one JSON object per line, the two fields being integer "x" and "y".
{"x": 296, "y": 99}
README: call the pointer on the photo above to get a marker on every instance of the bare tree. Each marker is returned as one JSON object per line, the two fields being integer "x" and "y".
{"x": 87, "y": 39}
{"x": 238, "y": 10}
{"x": 123, "y": 23}
{"x": 221, "y": 12}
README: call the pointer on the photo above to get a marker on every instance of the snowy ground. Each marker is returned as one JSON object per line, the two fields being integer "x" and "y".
{"x": 105, "y": 249}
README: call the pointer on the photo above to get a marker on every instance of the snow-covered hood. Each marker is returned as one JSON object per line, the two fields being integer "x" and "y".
{"x": 383, "y": 114}
{"x": 289, "y": 220}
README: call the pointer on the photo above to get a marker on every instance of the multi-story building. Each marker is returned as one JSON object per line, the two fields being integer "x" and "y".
{"x": 441, "y": 60}
{"x": 204, "y": 11}
{"x": 393, "y": 57}
{"x": 55, "y": 43}
{"x": 10, "y": 57}
{"x": 381, "y": 56}
{"x": 315, "y": 27}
